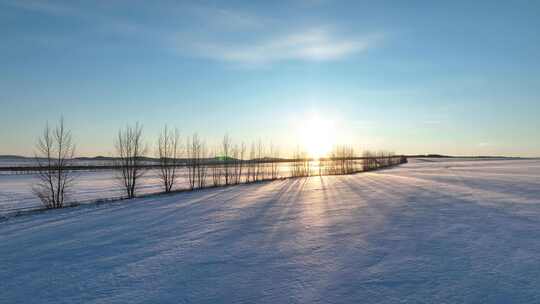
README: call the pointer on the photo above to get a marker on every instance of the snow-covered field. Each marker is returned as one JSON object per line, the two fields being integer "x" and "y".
{"x": 424, "y": 232}
{"x": 16, "y": 189}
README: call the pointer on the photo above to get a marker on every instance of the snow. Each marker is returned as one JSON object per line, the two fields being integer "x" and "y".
{"x": 90, "y": 186}
{"x": 16, "y": 189}
{"x": 424, "y": 232}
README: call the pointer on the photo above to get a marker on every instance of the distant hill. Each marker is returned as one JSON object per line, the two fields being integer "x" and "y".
{"x": 429, "y": 156}
{"x": 231, "y": 159}
{"x": 95, "y": 158}
{"x": 458, "y": 156}
{"x": 14, "y": 157}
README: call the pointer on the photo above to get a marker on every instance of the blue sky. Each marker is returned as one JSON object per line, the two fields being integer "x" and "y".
{"x": 459, "y": 77}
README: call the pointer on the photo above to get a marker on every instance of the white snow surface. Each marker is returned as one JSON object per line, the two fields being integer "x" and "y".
{"x": 424, "y": 232}
{"x": 16, "y": 192}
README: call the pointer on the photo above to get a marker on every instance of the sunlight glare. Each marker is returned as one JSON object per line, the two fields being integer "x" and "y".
{"x": 317, "y": 136}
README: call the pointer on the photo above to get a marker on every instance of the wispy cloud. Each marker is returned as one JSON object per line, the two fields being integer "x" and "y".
{"x": 226, "y": 19}
{"x": 485, "y": 144}
{"x": 432, "y": 123}
{"x": 220, "y": 34}
{"x": 308, "y": 45}
{"x": 312, "y": 2}
{"x": 40, "y": 6}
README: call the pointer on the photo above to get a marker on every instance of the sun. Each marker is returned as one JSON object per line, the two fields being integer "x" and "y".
{"x": 317, "y": 136}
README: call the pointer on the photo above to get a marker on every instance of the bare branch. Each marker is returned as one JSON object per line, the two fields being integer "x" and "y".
{"x": 168, "y": 152}
{"x": 130, "y": 150}
{"x": 54, "y": 150}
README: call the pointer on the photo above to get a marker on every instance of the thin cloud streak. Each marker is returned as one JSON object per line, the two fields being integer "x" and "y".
{"x": 307, "y": 45}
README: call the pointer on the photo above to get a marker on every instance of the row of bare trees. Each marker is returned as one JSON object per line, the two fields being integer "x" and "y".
{"x": 227, "y": 164}
{"x": 301, "y": 164}
{"x": 341, "y": 161}
{"x": 381, "y": 159}
{"x": 55, "y": 150}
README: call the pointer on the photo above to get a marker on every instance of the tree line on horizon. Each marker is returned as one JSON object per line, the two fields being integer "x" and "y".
{"x": 231, "y": 164}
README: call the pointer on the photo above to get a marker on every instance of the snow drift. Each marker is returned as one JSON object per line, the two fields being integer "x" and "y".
{"x": 425, "y": 232}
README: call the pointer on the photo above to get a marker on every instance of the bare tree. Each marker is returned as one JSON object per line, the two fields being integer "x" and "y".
{"x": 191, "y": 146}
{"x": 226, "y": 151}
{"x": 241, "y": 159}
{"x": 55, "y": 148}
{"x": 259, "y": 171}
{"x": 274, "y": 165}
{"x": 252, "y": 172}
{"x": 238, "y": 161}
{"x": 202, "y": 168}
{"x": 196, "y": 152}
{"x": 168, "y": 152}
{"x": 130, "y": 150}
{"x": 216, "y": 170}
{"x": 191, "y": 163}
{"x": 300, "y": 163}
{"x": 368, "y": 163}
